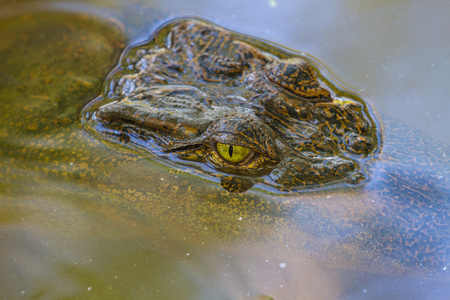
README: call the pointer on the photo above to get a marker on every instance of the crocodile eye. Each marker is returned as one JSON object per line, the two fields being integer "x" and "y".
{"x": 233, "y": 153}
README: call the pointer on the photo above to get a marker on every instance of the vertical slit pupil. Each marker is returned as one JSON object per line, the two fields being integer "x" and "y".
{"x": 230, "y": 150}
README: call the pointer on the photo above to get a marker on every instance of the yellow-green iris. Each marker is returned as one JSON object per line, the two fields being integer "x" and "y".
{"x": 232, "y": 153}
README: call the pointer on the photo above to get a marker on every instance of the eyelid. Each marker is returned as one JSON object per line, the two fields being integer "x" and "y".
{"x": 246, "y": 131}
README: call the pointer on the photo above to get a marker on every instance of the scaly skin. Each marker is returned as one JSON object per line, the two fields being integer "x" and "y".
{"x": 396, "y": 223}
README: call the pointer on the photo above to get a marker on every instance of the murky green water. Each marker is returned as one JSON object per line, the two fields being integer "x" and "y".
{"x": 80, "y": 219}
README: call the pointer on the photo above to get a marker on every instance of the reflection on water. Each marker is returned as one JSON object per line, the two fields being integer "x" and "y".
{"x": 80, "y": 219}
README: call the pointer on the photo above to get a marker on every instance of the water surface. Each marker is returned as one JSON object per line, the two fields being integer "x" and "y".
{"x": 81, "y": 219}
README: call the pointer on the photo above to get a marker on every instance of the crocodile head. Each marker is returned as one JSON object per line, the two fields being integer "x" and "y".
{"x": 237, "y": 108}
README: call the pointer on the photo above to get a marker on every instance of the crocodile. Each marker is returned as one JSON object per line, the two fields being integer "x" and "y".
{"x": 250, "y": 115}
{"x": 208, "y": 146}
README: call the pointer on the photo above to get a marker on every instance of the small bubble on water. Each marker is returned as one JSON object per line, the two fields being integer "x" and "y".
{"x": 273, "y": 3}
